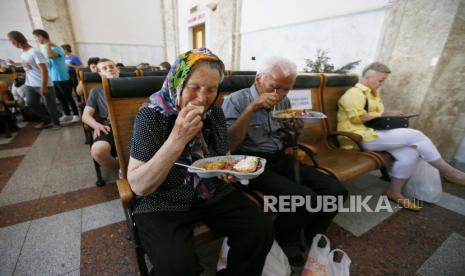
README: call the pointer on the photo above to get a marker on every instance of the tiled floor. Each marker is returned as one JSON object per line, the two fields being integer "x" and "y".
{"x": 55, "y": 221}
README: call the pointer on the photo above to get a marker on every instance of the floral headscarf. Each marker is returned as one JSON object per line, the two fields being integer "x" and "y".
{"x": 166, "y": 101}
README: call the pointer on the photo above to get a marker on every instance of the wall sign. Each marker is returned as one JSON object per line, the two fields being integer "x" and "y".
{"x": 300, "y": 98}
{"x": 196, "y": 19}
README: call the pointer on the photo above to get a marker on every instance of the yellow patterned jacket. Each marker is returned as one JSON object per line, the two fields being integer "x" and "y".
{"x": 351, "y": 106}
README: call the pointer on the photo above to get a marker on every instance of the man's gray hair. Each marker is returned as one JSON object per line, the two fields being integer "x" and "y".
{"x": 286, "y": 66}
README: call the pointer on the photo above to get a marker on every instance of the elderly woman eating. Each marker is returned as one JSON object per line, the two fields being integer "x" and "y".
{"x": 181, "y": 124}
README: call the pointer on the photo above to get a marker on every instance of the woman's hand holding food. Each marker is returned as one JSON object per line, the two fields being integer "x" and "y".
{"x": 187, "y": 125}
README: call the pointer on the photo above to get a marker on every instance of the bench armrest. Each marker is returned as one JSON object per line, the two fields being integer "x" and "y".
{"x": 308, "y": 149}
{"x": 125, "y": 193}
{"x": 352, "y": 136}
{"x": 357, "y": 139}
{"x": 311, "y": 151}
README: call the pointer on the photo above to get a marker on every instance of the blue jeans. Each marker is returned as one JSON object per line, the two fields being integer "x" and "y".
{"x": 33, "y": 100}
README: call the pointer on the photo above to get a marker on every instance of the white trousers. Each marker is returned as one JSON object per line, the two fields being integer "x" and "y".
{"x": 406, "y": 145}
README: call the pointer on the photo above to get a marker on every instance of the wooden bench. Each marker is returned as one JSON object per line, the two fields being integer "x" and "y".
{"x": 315, "y": 139}
{"x": 316, "y": 145}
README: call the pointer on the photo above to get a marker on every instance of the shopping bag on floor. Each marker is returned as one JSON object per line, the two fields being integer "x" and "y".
{"x": 276, "y": 263}
{"x": 341, "y": 268}
{"x": 425, "y": 183}
{"x": 223, "y": 258}
{"x": 318, "y": 258}
{"x": 320, "y": 261}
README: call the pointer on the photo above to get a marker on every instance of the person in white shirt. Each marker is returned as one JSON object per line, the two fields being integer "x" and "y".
{"x": 38, "y": 84}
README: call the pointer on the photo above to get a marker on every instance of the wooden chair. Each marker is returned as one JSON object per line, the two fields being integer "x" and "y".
{"x": 90, "y": 80}
{"x": 8, "y": 77}
{"x": 93, "y": 80}
{"x": 335, "y": 86}
{"x": 124, "y": 97}
{"x": 318, "y": 138}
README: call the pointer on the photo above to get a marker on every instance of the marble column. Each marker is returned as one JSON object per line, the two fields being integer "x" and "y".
{"x": 169, "y": 10}
{"x": 224, "y": 29}
{"x": 53, "y": 17}
{"x": 422, "y": 43}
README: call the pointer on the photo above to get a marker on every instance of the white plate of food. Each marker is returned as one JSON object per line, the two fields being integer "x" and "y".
{"x": 243, "y": 167}
{"x": 306, "y": 115}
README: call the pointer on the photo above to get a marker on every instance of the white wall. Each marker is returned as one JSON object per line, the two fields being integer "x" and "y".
{"x": 13, "y": 17}
{"x": 125, "y": 31}
{"x": 347, "y": 32}
{"x": 265, "y": 14}
{"x": 186, "y": 22}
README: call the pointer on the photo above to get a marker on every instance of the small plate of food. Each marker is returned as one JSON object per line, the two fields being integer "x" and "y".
{"x": 243, "y": 167}
{"x": 306, "y": 115}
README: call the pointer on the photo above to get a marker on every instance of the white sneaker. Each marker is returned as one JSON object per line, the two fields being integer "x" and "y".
{"x": 65, "y": 118}
{"x": 75, "y": 119}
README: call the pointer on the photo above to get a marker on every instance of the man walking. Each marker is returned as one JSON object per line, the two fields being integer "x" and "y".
{"x": 38, "y": 84}
{"x": 59, "y": 74}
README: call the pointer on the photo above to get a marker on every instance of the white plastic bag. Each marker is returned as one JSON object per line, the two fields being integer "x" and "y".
{"x": 341, "y": 268}
{"x": 276, "y": 263}
{"x": 223, "y": 259}
{"x": 425, "y": 183}
{"x": 318, "y": 258}
{"x": 320, "y": 261}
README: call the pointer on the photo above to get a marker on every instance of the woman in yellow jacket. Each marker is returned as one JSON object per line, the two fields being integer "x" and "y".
{"x": 362, "y": 103}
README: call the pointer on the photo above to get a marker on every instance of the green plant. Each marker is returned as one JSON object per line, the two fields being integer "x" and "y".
{"x": 321, "y": 64}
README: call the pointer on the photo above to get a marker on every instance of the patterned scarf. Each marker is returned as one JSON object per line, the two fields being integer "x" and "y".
{"x": 166, "y": 101}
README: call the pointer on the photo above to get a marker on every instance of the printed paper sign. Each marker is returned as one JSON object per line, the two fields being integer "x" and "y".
{"x": 300, "y": 99}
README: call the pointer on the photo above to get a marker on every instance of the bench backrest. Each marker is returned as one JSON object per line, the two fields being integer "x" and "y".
{"x": 124, "y": 97}
{"x": 308, "y": 83}
{"x": 128, "y": 69}
{"x": 334, "y": 87}
{"x": 241, "y": 73}
{"x": 311, "y": 83}
{"x": 232, "y": 84}
{"x": 92, "y": 80}
{"x": 154, "y": 73}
